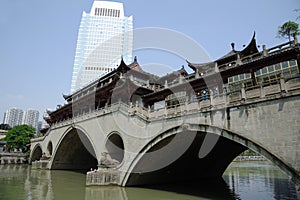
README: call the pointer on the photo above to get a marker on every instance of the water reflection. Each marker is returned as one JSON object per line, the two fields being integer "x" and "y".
{"x": 192, "y": 191}
{"x": 249, "y": 180}
{"x": 259, "y": 180}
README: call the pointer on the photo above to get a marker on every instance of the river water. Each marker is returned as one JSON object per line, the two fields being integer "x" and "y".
{"x": 242, "y": 180}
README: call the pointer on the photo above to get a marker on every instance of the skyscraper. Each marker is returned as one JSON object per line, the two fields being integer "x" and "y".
{"x": 13, "y": 117}
{"x": 31, "y": 117}
{"x": 104, "y": 36}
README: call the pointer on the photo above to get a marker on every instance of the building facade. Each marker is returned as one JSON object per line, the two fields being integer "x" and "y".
{"x": 13, "y": 117}
{"x": 31, "y": 117}
{"x": 104, "y": 36}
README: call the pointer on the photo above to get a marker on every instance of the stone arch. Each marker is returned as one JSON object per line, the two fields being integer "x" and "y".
{"x": 213, "y": 165}
{"x": 114, "y": 146}
{"x": 74, "y": 151}
{"x": 50, "y": 148}
{"x": 36, "y": 153}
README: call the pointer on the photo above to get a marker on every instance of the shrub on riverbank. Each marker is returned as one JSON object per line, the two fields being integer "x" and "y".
{"x": 19, "y": 137}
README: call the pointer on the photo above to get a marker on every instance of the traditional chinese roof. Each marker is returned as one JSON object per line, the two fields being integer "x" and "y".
{"x": 202, "y": 67}
{"x": 172, "y": 76}
{"x": 127, "y": 86}
{"x": 230, "y": 57}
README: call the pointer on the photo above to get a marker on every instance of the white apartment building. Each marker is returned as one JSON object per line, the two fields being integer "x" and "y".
{"x": 13, "y": 117}
{"x": 31, "y": 117}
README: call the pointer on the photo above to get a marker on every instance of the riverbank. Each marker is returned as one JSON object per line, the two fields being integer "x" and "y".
{"x": 12, "y": 158}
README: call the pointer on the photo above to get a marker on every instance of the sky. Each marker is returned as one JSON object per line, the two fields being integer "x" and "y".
{"x": 38, "y": 38}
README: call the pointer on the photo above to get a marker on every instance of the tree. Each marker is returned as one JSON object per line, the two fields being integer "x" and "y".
{"x": 19, "y": 136}
{"x": 5, "y": 127}
{"x": 288, "y": 29}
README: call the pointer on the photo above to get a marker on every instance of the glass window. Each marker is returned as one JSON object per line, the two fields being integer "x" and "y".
{"x": 292, "y": 62}
{"x": 235, "y": 78}
{"x": 248, "y": 76}
{"x": 272, "y": 76}
{"x": 285, "y": 64}
{"x": 277, "y": 66}
{"x": 271, "y": 68}
{"x": 294, "y": 71}
{"x": 264, "y": 70}
{"x": 266, "y": 78}
{"x": 259, "y": 79}
{"x": 242, "y": 76}
{"x": 286, "y": 73}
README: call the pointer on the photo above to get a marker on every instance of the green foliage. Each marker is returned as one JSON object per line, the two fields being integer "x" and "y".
{"x": 4, "y": 127}
{"x": 249, "y": 152}
{"x": 288, "y": 29}
{"x": 19, "y": 136}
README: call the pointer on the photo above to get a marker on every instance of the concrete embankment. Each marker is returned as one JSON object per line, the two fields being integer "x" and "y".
{"x": 13, "y": 158}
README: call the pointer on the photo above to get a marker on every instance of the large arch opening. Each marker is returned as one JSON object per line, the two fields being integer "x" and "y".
{"x": 75, "y": 152}
{"x": 189, "y": 167}
{"x": 36, "y": 154}
{"x": 115, "y": 147}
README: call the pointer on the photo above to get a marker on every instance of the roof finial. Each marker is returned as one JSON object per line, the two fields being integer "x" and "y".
{"x": 135, "y": 59}
{"x": 232, "y": 46}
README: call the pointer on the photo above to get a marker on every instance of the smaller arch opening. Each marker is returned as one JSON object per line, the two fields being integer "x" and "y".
{"x": 115, "y": 147}
{"x": 74, "y": 152}
{"x": 50, "y": 148}
{"x": 36, "y": 154}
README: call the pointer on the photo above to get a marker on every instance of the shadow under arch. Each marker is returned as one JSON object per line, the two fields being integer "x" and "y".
{"x": 74, "y": 151}
{"x": 189, "y": 167}
{"x": 36, "y": 153}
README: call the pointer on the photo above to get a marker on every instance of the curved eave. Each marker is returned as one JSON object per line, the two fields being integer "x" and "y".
{"x": 251, "y": 48}
{"x": 202, "y": 67}
{"x": 229, "y": 56}
{"x": 67, "y": 97}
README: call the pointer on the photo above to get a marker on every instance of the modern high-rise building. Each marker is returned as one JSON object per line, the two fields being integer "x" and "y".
{"x": 13, "y": 117}
{"x": 31, "y": 117}
{"x": 105, "y": 35}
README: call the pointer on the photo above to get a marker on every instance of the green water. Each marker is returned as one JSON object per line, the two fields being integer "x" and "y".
{"x": 244, "y": 180}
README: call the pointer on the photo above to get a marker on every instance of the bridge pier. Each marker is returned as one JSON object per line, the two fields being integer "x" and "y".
{"x": 40, "y": 164}
{"x": 103, "y": 176}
